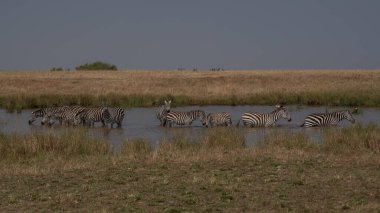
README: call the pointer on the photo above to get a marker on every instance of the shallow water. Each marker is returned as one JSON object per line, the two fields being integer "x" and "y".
{"x": 142, "y": 123}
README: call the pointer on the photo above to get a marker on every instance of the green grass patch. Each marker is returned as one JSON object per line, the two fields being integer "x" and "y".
{"x": 331, "y": 98}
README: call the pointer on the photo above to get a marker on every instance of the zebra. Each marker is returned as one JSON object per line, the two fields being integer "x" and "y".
{"x": 116, "y": 116}
{"x": 162, "y": 111}
{"x": 330, "y": 119}
{"x": 218, "y": 119}
{"x": 253, "y": 119}
{"x": 41, "y": 113}
{"x": 92, "y": 115}
{"x": 67, "y": 115}
{"x": 185, "y": 118}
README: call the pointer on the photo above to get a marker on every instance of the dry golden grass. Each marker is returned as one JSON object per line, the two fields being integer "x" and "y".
{"x": 22, "y": 90}
{"x": 284, "y": 173}
{"x": 194, "y": 84}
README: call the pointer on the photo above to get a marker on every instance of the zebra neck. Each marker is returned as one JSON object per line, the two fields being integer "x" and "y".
{"x": 275, "y": 116}
{"x": 339, "y": 116}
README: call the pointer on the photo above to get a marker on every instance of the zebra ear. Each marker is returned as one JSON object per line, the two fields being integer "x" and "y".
{"x": 170, "y": 101}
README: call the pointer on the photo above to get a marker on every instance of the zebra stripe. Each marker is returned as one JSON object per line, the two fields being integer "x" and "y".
{"x": 66, "y": 115}
{"x": 116, "y": 116}
{"x": 97, "y": 114}
{"x": 218, "y": 119}
{"x": 42, "y": 112}
{"x": 253, "y": 119}
{"x": 330, "y": 119}
{"x": 185, "y": 118}
{"x": 162, "y": 111}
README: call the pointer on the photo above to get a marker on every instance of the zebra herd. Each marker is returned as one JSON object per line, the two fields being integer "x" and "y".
{"x": 76, "y": 115}
{"x": 249, "y": 119}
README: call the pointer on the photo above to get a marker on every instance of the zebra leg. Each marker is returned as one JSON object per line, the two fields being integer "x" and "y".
{"x": 103, "y": 124}
{"x": 168, "y": 123}
{"x": 31, "y": 120}
{"x": 229, "y": 123}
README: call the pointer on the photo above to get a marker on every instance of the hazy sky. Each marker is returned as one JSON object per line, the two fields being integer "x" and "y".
{"x": 167, "y": 34}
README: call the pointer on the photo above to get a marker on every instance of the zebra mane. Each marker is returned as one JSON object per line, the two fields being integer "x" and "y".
{"x": 341, "y": 111}
{"x": 278, "y": 108}
{"x": 199, "y": 111}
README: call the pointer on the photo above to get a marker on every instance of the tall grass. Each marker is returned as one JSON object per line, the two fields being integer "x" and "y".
{"x": 217, "y": 172}
{"x": 72, "y": 143}
{"x": 136, "y": 148}
{"x": 357, "y": 138}
{"x": 19, "y": 102}
{"x": 289, "y": 141}
{"x": 134, "y": 88}
{"x": 216, "y": 143}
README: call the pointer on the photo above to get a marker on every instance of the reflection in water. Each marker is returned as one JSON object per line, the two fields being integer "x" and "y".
{"x": 142, "y": 123}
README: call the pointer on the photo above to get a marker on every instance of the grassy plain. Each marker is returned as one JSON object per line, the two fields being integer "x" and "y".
{"x": 286, "y": 172}
{"x": 217, "y": 174}
{"x": 148, "y": 88}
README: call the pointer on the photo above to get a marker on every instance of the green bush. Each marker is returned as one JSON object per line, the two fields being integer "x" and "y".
{"x": 97, "y": 65}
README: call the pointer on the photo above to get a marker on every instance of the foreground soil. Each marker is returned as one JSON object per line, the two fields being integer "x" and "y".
{"x": 238, "y": 181}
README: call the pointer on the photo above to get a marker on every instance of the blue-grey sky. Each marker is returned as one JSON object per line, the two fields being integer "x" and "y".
{"x": 168, "y": 34}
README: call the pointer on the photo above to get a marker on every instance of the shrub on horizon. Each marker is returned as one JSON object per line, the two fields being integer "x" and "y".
{"x": 97, "y": 65}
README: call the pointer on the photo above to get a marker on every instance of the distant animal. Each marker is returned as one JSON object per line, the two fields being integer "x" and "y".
{"x": 330, "y": 119}
{"x": 218, "y": 119}
{"x": 185, "y": 118}
{"x": 162, "y": 111}
{"x": 253, "y": 119}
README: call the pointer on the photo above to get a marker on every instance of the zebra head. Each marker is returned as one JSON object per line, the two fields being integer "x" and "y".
{"x": 208, "y": 120}
{"x": 51, "y": 121}
{"x": 283, "y": 113}
{"x": 47, "y": 118}
{"x": 201, "y": 115}
{"x": 77, "y": 120}
{"x": 167, "y": 106}
{"x": 347, "y": 115}
{"x": 106, "y": 115}
{"x": 35, "y": 114}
